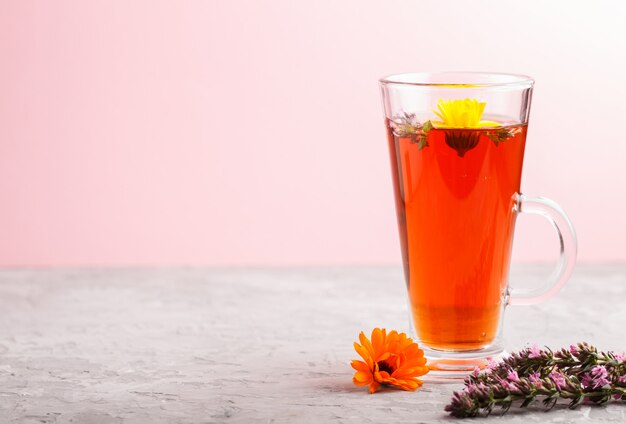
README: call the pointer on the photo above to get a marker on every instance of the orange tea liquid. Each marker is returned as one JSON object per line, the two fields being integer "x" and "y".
{"x": 454, "y": 200}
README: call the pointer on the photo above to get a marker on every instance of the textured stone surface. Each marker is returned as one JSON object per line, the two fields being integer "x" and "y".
{"x": 247, "y": 345}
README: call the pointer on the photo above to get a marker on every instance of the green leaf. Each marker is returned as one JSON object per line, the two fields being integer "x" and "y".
{"x": 421, "y": 143}
{"x": 500, "y": 135}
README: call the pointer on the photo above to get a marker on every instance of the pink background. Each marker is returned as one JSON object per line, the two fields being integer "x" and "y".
{"x": 250, "y": 133}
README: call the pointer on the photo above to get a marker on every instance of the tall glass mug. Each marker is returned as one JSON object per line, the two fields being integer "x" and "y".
{"x": 456, "y": 142}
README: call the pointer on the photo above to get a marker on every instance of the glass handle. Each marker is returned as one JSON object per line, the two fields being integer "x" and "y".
{"x": 568, "y": 247}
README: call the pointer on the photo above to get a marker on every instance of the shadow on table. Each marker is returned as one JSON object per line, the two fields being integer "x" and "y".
{"x": 560, "y": 413}
{"x": 338, "y": 385}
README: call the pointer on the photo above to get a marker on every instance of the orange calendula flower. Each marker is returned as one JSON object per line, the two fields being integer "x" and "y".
{"x": 392, "y": 359}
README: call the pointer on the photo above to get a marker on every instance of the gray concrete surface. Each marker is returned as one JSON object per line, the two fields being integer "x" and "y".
{"x": 249, "y": 345}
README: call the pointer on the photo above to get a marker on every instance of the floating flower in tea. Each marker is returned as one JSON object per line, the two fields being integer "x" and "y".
{"x": 462, "y": 117}
{"x": 461, "y": 114}
{"x": 460, "y": 122}
{"x": 462, "y": 140}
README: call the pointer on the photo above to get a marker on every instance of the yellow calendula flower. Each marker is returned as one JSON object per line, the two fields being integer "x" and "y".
{"x": 461, "y": 114}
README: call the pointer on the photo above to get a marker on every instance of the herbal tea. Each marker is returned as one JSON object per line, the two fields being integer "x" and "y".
{"x": 454, "y": 191}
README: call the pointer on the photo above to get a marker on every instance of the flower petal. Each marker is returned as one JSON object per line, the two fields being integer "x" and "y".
{"x": 367, "y": 345}
{"x": 406, "y": 384}
{"x": 377, "y": 343}
{"x": 362, "y": 376}
{"x": 383, "y": 356}
{"x": 360, "y": 383}
{"x": 360, "y": 366}
{"x": 374, "y": 387}
{"x": 381, "y": 376}
{"x": 362, "y": 352}
{"x": 466, "y": 113}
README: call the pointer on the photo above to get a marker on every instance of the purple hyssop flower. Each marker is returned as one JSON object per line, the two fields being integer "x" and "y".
{"x": 512, "y": 375}
{"x": 558, "y": 378}
{"x": 507, "y": 385}
{"x": 534, "y": 377}
{"x": 534, "y": 351}
{"x": 596, "y": 378}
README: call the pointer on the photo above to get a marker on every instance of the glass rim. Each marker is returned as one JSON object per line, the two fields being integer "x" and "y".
{"x": 458, "y": 80}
